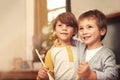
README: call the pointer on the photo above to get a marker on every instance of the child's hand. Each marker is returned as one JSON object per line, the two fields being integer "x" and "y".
{"x": 84, "y": 70}
{"x": 42, "y": 73}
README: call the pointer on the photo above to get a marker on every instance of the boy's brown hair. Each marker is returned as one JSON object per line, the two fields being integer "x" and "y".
{"x": 98, "y": 16}
{"x": 68, "y": 19}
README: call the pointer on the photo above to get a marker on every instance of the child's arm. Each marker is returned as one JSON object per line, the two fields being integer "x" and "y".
{"x": 85, "y": 72}
{"x": 92, "y": 76}
{"x": 109, "y": 70}
{"x": 42, "y": 74}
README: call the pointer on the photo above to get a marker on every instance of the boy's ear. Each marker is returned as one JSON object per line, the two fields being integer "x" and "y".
{"x": 103, "y": 31}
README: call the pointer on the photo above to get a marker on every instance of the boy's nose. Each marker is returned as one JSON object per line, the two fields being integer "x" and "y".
{"x": 64, "y": 27}
{"x": 84, "y": 31}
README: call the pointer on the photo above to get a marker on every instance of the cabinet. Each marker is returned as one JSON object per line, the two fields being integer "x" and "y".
{"x": 18, "y": 75}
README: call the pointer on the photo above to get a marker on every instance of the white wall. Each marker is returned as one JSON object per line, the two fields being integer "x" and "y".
{"x": 16, "y": 29}
{"x": 106, "y": 6}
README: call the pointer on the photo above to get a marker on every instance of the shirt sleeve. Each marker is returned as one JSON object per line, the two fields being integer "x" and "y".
{"x": 109, "y": 71}
{"x": 48, "y": 61}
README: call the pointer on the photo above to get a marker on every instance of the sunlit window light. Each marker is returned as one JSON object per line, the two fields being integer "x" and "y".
{"x": 57, "y": 8}
{"x": 52, "y": 15}
{"x": 52, "y": 4}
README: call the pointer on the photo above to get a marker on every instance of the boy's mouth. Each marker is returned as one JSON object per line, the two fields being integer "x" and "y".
{"x": 86, "y": 37}
{"x": 64, "y": 33}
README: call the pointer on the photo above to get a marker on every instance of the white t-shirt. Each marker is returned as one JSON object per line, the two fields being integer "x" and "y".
{"x": 91, "y": 53}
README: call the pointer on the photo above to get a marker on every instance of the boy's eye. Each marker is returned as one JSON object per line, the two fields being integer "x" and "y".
{"x": 90, "y": 26}
{"x": 80, "y": 28}
{"x": 59, "y": 25}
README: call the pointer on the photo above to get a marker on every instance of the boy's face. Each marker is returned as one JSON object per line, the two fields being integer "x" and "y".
{"x": 89, "y": 32}
{"x": 64, "y": 32}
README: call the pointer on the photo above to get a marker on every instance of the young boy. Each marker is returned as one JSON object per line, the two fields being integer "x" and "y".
{"x": 62, "y": 60}
{"x": 97, "y": 62}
